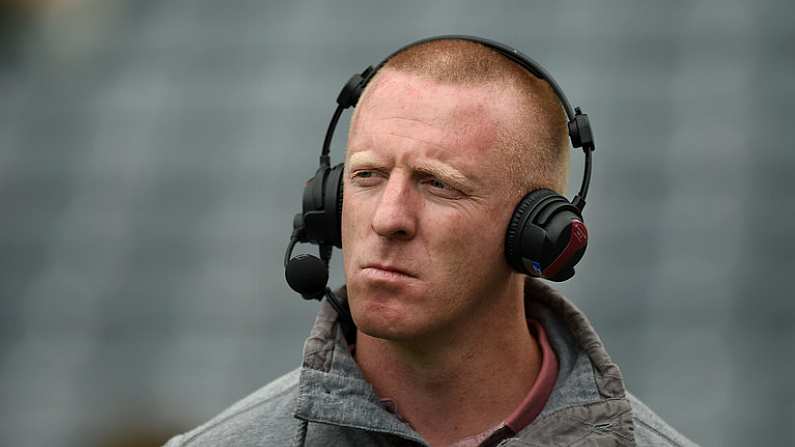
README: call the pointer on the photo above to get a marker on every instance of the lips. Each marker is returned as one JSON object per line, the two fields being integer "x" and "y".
{"x": 388, "y": 270}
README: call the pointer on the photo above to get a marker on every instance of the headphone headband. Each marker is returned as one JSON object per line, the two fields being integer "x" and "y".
{"x": 511, "y": 53}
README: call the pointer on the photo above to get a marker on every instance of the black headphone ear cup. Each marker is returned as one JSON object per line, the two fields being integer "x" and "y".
{"x": 568, "y": 238}
{"x": 517, "y": 228}
{"x": 322, "y": 207}
{"x": 333, "y": 204}
{"x": 513, "y": 248}
{"x": 312, "y": 216}
{"x": 546, "y": 236}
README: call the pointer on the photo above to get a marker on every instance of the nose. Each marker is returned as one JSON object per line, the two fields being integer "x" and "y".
{"x": 395, "y": 215}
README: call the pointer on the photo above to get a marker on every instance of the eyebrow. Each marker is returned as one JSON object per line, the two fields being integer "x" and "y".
{"x": 362, "y": 157}
{"x": 440, "y": 170}
{"x": 443, "y": 172}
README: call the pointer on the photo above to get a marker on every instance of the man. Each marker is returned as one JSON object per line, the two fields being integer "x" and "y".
{"x": 452, "y": 346}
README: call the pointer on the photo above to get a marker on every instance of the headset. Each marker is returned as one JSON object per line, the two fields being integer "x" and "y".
{"x": 546, "y": 236}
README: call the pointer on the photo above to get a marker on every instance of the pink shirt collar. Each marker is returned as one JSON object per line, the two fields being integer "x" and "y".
{"x": 534, "y": 401}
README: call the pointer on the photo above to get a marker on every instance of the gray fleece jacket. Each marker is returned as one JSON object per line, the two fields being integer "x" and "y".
{"x": 327, "y": 402}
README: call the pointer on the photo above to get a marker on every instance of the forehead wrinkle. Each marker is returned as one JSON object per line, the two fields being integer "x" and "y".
{"x": 362, "y": 137}
{"x": 438, "y": 136}
{"x": 421, "y": 140}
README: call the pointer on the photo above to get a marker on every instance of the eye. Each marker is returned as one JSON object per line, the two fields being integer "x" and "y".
{"x": 365, "y": 177}
{"x": 435, "y": 183}
{"x": 441, "y": 189}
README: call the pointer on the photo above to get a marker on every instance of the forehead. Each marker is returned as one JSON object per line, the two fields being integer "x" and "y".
{"x": 443, "y": 118}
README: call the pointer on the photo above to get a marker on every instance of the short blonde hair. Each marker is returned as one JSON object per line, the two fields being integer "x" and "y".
{"x": 539, "y": 153}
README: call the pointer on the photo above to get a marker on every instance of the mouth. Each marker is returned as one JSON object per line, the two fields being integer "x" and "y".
{"x": 387, "y": 271}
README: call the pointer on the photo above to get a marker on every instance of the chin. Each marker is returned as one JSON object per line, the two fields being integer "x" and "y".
{"x": 381, "y": 332}
{"x": 385, "y": 321}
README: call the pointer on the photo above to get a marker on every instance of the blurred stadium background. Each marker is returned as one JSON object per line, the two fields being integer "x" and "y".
{"x": 152, "y": 154}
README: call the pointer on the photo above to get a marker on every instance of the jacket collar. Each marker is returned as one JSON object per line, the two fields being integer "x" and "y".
{"x": 331, "y": 387}
{"x": 588, "y": 399}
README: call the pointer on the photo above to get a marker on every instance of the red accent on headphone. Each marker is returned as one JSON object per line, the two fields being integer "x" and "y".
{"x": 577, "y": 240}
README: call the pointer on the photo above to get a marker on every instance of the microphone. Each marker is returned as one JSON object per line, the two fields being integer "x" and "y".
{"x": 307, "y": 275}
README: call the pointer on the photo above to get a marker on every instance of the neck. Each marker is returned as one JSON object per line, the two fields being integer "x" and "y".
{"x": 461, "y": 383}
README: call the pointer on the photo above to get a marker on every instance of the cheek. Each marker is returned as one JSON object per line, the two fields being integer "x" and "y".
{"x": 347, "y": 233}
{"x": 349, "y": 219}
{"x": 345, "y": 220}
{"x": 355, "y": 223}
{"x": 473, "y": 244}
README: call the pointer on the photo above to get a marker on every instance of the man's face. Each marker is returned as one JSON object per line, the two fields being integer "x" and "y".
{"x": 427, "y": 198}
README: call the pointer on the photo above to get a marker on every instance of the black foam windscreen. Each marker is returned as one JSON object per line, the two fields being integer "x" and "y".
{"x": 307, "y": 275}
